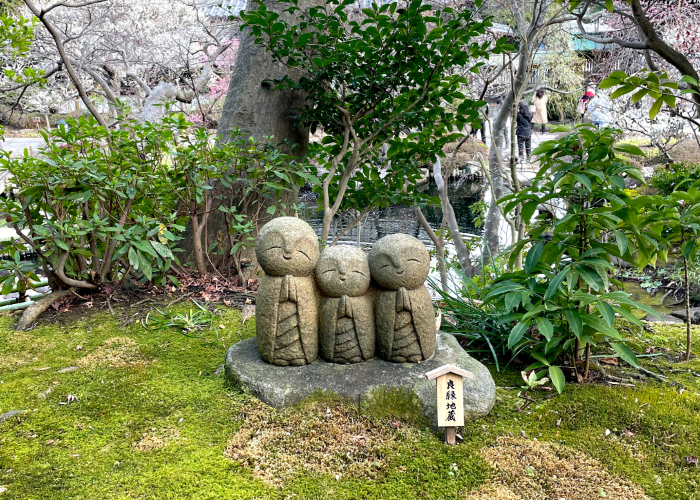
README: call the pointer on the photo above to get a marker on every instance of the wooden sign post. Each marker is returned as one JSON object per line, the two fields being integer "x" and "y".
{"x": 450, "y": 401}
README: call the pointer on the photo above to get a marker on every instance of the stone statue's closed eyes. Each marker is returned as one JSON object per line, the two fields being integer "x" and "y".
{"x": 287, "y": 301}
{"x": 347, "y": 311}
{"x": 404, "y": 315}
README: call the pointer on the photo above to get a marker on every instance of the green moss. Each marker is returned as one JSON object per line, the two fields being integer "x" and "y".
{"x": 159, "y": 428}
{"x": 395, "y": 403}
{"x": 640, "y": 295}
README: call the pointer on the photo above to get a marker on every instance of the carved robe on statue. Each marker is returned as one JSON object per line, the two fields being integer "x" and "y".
{"x": 404, "y": 314}
{"x": 347, "y": 329}
{"x": 405, "y": 325}
{"x": 288, "y": 331}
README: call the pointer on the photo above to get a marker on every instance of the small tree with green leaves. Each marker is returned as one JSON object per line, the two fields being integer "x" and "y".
{"x": 677, "y": 217}
{"x": 381, "y": 79}
{"x": 563, "y": 297}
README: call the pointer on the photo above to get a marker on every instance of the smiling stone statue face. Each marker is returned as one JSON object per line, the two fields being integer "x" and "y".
{"x": 343, "y": 270}
{"x": 399, "y": 261}
{"x": 287, "y": 246}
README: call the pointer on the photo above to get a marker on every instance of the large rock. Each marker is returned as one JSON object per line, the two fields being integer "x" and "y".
{"x": 280, "y": 386}
{"x": 694, "y": 314}
{"x": 665, "y": 318}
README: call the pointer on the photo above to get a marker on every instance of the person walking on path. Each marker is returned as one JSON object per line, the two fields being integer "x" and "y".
{"x": 524, "y": 132}
{"x": 483, "y": 114}
{"x": 540, "y": 114}
{"x": 583, "y": 102}
{"x": 599, "y": 107}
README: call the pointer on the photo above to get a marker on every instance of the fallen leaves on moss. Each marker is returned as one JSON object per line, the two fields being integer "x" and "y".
{"x": 156, "y": 439}
{"x": 317, "y": 438}
{"x": 526, "y": 469}
{"x": 119, "y": 352}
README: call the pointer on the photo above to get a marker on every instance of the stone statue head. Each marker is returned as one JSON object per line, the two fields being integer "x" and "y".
{"x": 287, "y": 245}
{"x": 399, "y": 260}
{"x": 343, "y": 270}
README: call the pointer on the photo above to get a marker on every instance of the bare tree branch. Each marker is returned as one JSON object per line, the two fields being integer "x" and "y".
{"x": 66, "y": 61}
{"x": 64, "y": 4}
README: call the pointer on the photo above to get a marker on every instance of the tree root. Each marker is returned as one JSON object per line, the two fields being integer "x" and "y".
{"x": 649, "y": 373}
{"x": 32, "y": 313}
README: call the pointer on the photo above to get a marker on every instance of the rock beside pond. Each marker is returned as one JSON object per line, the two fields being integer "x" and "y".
{"x": 665, "y": 318}
{"x": 281, "y": 386}
{"x": 694, "y": 315}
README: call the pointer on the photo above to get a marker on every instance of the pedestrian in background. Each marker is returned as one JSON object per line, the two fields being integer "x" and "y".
{"x": 583, "y": 102}
{"x": 599, "y": 107}
{"x": 540, "y": 114}
{"x": 524, "y": 132}
{"x": 483, "y": 113}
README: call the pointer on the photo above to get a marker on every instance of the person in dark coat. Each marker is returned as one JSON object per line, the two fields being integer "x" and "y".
{"x": 484, "y": 112}
{"x": 524, "y": 131}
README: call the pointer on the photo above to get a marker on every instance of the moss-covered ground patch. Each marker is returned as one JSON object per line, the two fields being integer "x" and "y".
{"x": 144, "y": 414}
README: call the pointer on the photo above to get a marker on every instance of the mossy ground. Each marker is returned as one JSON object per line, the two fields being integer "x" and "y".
{"x": 152, "y": 420}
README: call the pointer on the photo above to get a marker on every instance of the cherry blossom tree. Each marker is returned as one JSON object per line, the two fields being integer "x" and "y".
{"x": 141, "y": 52}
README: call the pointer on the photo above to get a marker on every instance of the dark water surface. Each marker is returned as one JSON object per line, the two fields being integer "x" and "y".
{"x": 401, "y": 219}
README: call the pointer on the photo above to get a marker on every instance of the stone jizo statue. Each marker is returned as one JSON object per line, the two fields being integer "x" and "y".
{"x": 346, "y": 325}
{"x": 288, "y": 299}
{"x": 404, "y": 315}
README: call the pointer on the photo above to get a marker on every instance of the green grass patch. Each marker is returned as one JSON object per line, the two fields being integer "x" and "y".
{"x": 152, "y": 420}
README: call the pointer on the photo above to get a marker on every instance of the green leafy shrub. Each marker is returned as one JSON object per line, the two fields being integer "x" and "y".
{"x": 244, "y": 178}
{"x": 668, "y": 177}
{"x": 561, "y": 301}
{"x": 99, "y": 203}
{"x": 93, "y": 205}
{"x": 18, "y": 275}
{"x": 476, "y": 325}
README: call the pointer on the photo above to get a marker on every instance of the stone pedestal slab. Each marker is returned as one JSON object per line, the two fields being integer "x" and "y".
{"x": 281, "y": 386}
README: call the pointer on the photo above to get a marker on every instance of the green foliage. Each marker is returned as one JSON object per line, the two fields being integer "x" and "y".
{"x": 382, "y": 80}
{"x": 563, "y": 294}
{"x": 655, "y": 84}
{"x": 478, "y": 210}
{"x": 100, "y": 203}
{"x": 476, "y": 325}
{"x": 16, "y": 37}
{"x": 17, "y": 275}
{"x": 94, "y": 204}
{"x": 677, "y": 218}
{"x": 187, "y": 323}
{"x": 245, "y": 179}
{"x": 667, "y": 178}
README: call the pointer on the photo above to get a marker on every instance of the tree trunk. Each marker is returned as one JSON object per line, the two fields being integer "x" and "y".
{"x": 529, "y": 38}
{"x": 689, "y": 338}
{"x": 256, "y": 109}
{"x": 494, "y": 217}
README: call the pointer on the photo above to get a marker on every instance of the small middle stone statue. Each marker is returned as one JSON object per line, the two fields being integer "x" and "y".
{"x": 287, "y": 301}
{"x": 405, "y": 319}
{"x": 347, "y": 310}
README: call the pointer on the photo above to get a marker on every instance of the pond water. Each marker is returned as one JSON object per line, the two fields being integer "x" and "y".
{"x": 402, "y": 219}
